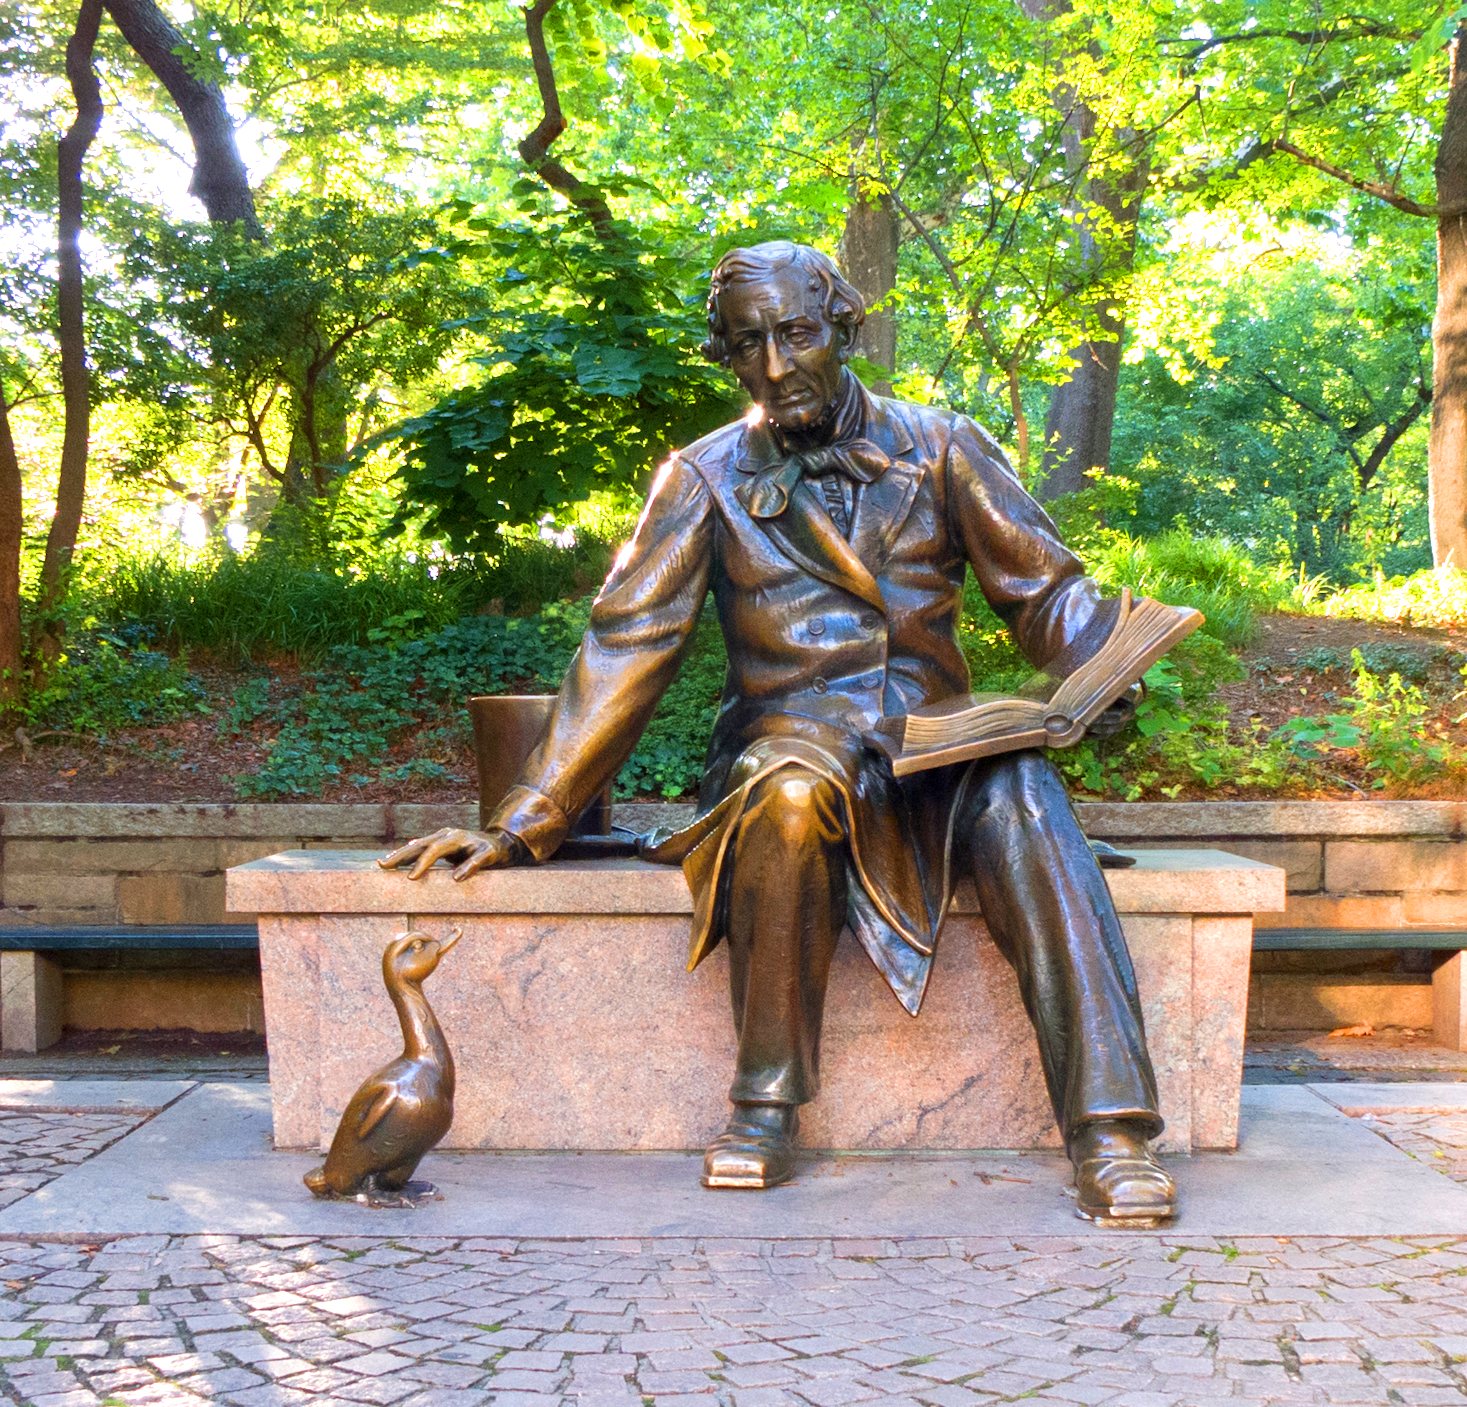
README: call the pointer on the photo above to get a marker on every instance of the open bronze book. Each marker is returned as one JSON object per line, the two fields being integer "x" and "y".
{"x": 1046, "y": 712}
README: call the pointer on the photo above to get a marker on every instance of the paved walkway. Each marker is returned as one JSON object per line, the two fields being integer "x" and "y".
{"x": 395, "y": 1320}
{"x": 1130, "y": 1320}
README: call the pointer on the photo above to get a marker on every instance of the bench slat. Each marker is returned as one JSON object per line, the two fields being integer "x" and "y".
{"x": 1284, "y": 940}
{"x": 102, "y": 937}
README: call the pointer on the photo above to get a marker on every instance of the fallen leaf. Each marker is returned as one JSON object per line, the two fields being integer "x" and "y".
{"x": 15, "y": 1284}
{"x": 1364, "y": 1028}
{"x": 70, "y": 772}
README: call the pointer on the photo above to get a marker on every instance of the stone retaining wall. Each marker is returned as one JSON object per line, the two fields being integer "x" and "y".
{"x": 1372, "y": 864}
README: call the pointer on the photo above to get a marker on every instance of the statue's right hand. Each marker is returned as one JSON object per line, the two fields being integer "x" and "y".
{"x": 469, "y": 851}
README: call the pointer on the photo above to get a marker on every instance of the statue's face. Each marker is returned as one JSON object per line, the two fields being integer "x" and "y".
{"x": 782, "y": 347}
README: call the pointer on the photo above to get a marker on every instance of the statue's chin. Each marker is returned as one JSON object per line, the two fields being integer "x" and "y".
{"x": 796, "y": 418}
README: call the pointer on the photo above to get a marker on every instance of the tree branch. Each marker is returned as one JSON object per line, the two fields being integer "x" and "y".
{"x": 219, "y": 178}
{"x": 1367, "y": 29}
{"x": 535, "y": 149}
{"x": 1393, "y": 432}
{"x": 1389, "y": 194}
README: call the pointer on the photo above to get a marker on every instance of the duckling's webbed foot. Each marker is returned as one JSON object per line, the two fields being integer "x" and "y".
{"x": 394, "y": 1179}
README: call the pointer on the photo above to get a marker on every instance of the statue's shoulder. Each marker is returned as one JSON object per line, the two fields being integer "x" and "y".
{"x": 936, "y": 427}
{"x": 719, "y": 450}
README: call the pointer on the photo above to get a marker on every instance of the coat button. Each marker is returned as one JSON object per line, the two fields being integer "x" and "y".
{"x": 820, "y": 686}
{"x": 868, "y": 621}
{"x": 871, "y": 680}
{"x": 817, "y": 626}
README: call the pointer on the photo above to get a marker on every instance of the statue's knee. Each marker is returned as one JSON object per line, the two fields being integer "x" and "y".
{"x": 795, "y": 801}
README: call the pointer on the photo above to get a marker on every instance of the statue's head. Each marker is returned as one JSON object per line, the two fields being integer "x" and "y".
{"x": 781, "y": 316}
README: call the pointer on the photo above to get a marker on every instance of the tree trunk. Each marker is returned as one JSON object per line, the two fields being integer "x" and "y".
{"x": 219, "y": 179}
{"x": 71, "y": 151}
{"x": 868, "y": 256}
{"x": 1082, "y": 410}
{"x": 11, "y": 527}
{"x": 1447, "y": 456}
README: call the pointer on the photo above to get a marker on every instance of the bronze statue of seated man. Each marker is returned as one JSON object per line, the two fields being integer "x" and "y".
{"x": 834, "y": 529}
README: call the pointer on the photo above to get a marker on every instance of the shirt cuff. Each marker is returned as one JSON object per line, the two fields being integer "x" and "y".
{"x": 533, "y": 819}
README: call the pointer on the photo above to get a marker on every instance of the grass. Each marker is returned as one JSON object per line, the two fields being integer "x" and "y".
{"x": 271, "y": 601}
{"x": 1212, "y": 574}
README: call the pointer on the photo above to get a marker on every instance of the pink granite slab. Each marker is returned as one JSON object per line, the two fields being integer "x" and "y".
{"x": 574, "y": 1024}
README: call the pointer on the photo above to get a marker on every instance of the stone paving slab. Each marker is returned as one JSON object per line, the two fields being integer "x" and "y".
{"x": 91, "y": 1096}
{"x": 205, "y": 1165}
{"x": 1127, "y": 1321}
{"x": 1424, "y": 1094}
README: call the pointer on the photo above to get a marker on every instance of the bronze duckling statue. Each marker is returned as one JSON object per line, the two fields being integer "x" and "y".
{"x": 406, "y": 1107}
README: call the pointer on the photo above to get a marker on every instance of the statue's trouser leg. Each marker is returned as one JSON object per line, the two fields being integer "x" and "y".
{"x": 786, "y": 905}
{"x": 1050, "y": 913}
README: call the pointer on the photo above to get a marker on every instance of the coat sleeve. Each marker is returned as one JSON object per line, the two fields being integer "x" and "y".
{"x": 1034, "y": 583}
{"x": 641, "y": 627}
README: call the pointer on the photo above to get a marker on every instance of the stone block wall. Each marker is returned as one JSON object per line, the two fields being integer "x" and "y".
{"x": 1350, "y": 864}
{"x": 1366, "y": 864}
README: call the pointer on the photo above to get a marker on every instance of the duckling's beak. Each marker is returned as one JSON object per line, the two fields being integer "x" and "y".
{"x": 445, "y": 945}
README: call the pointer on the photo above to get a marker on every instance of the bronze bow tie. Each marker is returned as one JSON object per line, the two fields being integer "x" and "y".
{"x": 768, "y": 494}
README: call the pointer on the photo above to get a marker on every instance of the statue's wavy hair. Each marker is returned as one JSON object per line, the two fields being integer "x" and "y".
{"x": 843, "y": 305}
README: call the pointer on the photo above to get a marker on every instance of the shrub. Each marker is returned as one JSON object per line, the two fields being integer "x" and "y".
{"x": 363, "y": 699}
{"x": 270, "y": 600}
{"x": 1211, "y": 574}
{"x": 1384, "y": 724}
{"x": 1435, "y": 597}
{"x": 104, "y": 683}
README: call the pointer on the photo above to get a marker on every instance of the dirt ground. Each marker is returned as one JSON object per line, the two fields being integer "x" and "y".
{"x": 195, "y": 759}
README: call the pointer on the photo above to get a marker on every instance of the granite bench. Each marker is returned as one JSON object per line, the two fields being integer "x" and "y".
{"x": 30, "y": 975}
{"x": 1448, "y": 977}
{"x": 574, "y": 1025}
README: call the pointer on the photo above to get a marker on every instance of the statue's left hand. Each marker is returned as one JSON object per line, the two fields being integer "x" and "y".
{"x": 1121, "y": 712}
{"x": 470, "y": 851}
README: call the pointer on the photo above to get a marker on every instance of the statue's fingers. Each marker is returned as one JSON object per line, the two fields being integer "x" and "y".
{"x": 404, "y": 853}
{"x": 494, "y": 852}
{"x": 437, "y": 850}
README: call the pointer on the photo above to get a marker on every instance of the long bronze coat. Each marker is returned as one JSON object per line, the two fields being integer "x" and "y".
{"x": 824, "y": 635}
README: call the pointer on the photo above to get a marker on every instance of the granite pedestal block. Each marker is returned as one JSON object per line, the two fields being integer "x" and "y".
{"x": 574, "y": 1025}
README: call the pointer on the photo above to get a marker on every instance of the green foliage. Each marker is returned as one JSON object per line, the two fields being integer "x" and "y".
{"x": 1297, "y": 420}
{"x": 994, "y": 661}
{"x": 1384, "y": 723}
{"x": 364, "y": 700}
{"x": 1178, "y": 739}
{"x": 104, "y": 683}
{"x": 669, "y": 759}
{"x": 594, "y": 376}
{"x": 239, "y": 605}
{"x": 287, "y": 347}
{"x": 1435, "y": 597}
{"x": 1414, "y": 665}
{"x": 1218, "y": 577}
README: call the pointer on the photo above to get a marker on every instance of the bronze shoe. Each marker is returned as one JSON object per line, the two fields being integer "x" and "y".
{"x": 1130, "y": 1191}
{"x": 756, "y": 1150}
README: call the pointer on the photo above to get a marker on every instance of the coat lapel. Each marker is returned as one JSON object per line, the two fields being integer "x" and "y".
{"x": 806, "y": 534}
{"x": 882, "y": 507}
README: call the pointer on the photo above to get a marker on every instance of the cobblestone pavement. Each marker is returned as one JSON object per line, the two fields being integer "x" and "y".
{"x": 37, "y": 1148}
{"x": 1436, "y": 1138}
{"x": 1129, "y": 1320}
